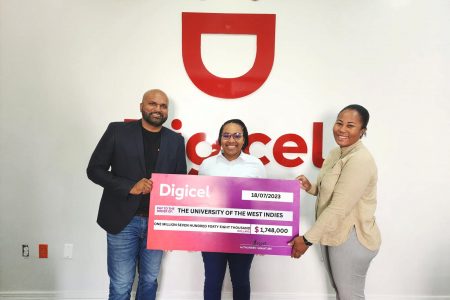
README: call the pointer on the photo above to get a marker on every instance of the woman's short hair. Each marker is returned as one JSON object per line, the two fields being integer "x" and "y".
{"x": 362, "y": 112}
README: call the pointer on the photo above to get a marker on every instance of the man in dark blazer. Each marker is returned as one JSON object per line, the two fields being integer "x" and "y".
{"x": 122, "y": 163}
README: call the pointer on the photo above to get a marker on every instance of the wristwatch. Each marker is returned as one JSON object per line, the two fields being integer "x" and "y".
{"x": 307, "y": 243}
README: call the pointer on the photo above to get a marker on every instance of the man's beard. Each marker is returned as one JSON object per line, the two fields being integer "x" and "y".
{"x": 154, "y": 121}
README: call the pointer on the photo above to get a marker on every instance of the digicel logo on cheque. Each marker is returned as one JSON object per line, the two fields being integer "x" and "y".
{"x": 279, "y": 147}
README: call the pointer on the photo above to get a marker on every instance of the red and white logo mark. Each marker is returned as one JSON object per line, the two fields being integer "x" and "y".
{"x": 196, "y": 24}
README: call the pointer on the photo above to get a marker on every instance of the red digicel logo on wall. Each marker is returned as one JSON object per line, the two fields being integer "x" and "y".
{"x": 263, "y": 26}
{"x": 279, "y": 148}
{"x": 196, "y": 24}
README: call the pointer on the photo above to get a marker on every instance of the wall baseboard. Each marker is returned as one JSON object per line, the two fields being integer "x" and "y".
{"x": 96, "y": 295}
{"x": 50, "y": 295}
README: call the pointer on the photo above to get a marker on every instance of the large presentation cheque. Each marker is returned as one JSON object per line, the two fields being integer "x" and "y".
{"x": 223, "y": 214}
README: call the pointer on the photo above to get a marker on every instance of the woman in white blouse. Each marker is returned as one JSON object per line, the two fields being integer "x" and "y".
{"x": 231, "y": 161}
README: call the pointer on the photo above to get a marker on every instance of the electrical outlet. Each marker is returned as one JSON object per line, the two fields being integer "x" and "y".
{"x": 68, "y": 251}
{"x": 25, "y": 250}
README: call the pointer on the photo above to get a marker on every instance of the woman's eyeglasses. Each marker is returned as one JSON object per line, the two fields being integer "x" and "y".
{"x": 236, "y": 135}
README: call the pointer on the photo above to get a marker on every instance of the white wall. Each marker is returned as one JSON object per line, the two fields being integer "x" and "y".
{"x": 68, "y": 68}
